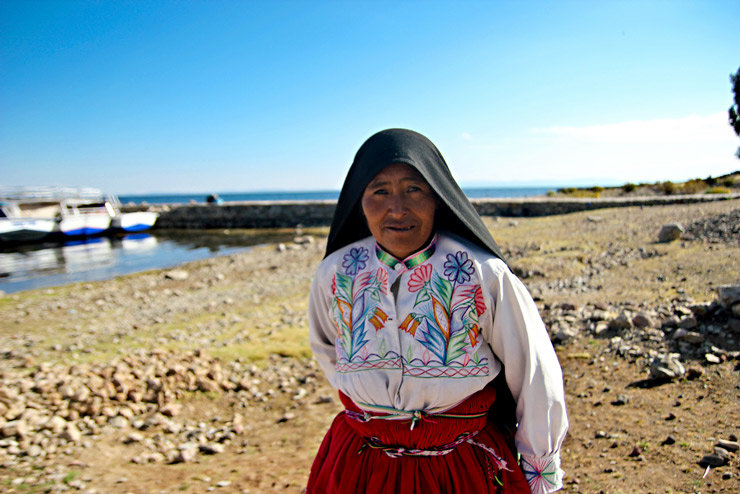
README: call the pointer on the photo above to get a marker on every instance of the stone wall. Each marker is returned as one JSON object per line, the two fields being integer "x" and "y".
{"x": 287, "y": 214}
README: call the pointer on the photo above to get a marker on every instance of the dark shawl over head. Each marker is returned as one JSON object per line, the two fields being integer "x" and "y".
{"x": 455, "y": 213}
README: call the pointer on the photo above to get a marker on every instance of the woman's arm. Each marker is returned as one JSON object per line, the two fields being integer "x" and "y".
{"x": 520, "y": 340}
{"x": 322, "y": 330}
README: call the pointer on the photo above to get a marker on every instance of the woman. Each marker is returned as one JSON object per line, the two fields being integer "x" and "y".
{"x": 413, "y": 315}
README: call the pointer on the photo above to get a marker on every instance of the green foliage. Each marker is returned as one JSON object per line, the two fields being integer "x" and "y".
{"x": 718, "y": 190}
{"x": 575, "y": 192}
{"x": 694, "y": 186}
{"x": 668, "y": 188}
{"x": 629, "y": 187}
{"x": 728, "y": 182}
{"x": 734, "y": 111}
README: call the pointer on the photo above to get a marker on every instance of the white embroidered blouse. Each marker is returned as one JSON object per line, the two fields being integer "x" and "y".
{"x": 382, "y": 328}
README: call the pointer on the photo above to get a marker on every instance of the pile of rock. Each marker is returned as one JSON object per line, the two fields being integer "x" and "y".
{"x": 665, "y": 337}
{"x": 50, "y": 410}
{"x": 719, "y": 228}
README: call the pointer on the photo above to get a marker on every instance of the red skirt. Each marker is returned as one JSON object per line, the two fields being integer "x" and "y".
{"x": 359, "y": 456}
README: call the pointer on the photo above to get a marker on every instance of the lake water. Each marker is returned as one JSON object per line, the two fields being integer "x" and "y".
{"x": 102, "y": 258}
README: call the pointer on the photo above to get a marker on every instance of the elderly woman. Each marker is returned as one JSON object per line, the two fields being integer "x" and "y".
{"x": 414, "y": 316}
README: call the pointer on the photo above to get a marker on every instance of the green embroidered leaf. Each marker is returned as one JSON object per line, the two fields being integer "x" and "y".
{"x": 444, "y": 290}
{"x": 409, "y": 354}
{"x": 421, "y": 297}
{"x": 344, "y": 286}
{"x": 456, "y": 347}
{"x": 476, "y": 358}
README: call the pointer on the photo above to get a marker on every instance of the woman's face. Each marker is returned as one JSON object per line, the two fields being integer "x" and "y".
{"x": 399, "y": 206}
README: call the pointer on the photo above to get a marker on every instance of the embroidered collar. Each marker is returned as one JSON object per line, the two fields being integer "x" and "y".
{"x": 411, "y": 261}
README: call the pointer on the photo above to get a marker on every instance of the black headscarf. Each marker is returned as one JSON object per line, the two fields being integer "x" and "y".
{"x": 454, "y": 214}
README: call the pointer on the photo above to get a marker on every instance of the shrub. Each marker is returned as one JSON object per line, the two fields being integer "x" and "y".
{"x": 718, "y": 190}
{"x": 668, "y": 188}
{"x": 694, "y": 186}
{"x": 728, "y": 182}
{"x": 629, "y": 187}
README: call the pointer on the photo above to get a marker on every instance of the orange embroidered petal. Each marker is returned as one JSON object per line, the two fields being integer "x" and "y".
{"x": 441, "y": 317}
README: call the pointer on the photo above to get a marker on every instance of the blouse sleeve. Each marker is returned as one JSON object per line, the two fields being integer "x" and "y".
{"x": 322, "y": 331}
{"x": 519, "y": 339}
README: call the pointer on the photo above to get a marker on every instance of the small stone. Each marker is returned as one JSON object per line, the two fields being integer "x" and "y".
{"x": 72, "y": 433}
{"x": 186, "y": 453}
{"x": 666, "y": 367}
{"x": 223, "y": 483}
{"x": 288, "y": 416}
{"x": 670, "y": 232}
{"x": 600, "y": 435}
{"x": 621, "y": 400}
{"x": 642, "y": 321}
{"x": 711, "y": 358}
{"x": 636, "y": 451}
{"x": 728, "y": 445}
{"x": 622, "y": 322}
{"x": 118, "y": 422}
{"x": 170, "y": 409}
{"x": 177, "y": 275}
{"x": 669, "y": 440}
{"x": 712, "y": 461}
{"x": 212, "y": 448}
{"x": 134, "y": 437}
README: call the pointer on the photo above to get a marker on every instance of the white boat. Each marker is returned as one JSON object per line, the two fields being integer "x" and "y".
{"x": 81, "y": 217}
{"x": 22, "y": 222}
{"x": 137, "y": 221}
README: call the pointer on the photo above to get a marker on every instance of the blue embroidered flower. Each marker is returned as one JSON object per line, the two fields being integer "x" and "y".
{"x": 355, "y": 260}
{"x": 458, "y": 267}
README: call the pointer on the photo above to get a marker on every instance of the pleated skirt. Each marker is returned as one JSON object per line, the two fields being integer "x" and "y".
{"x": 354, "y": 455}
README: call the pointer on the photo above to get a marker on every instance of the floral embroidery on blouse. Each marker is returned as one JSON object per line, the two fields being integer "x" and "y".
{"x": 458, "y": 267}
{"x": 440, "y": 312}
{"x": 541, "y": 473}
{"x": 354, "y": 261}
{"x": 357, "y": 299}
{"x": 448, "y": 310}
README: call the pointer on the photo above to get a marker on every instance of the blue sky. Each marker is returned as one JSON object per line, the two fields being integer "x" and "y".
{"x": 204, "y": 96}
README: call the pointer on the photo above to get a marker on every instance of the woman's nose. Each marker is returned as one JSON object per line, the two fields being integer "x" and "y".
{"x": 397, "y": 204}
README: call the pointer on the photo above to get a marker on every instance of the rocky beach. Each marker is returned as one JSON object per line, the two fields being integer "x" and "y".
{"x": 200, "y": 378}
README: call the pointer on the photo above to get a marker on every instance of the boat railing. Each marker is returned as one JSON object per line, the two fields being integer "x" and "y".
{"x": 50, "y": 193}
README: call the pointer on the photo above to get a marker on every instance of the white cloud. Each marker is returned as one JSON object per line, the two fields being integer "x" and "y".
{"x": 647, "y": 150}
{"x": 466, "y": 136}
{"x": 693, "y": 128}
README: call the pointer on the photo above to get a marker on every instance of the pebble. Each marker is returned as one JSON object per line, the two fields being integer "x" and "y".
{"x": 670, "y": 232}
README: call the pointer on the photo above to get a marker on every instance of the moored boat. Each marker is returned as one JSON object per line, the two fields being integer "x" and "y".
{"x": 21, "y": 223}
{"x": 84, "y": 218}
{"x": 34, "y": 214}
{"x": 137, "y": 221}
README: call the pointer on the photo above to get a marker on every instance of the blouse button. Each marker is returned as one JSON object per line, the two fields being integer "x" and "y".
{"x": 398, "y": 267}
